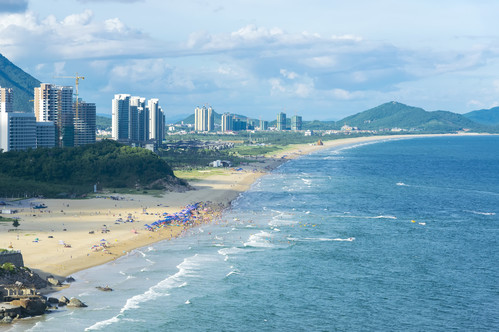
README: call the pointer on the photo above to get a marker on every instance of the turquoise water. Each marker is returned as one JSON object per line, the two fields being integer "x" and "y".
{"x": 394, "y": 235}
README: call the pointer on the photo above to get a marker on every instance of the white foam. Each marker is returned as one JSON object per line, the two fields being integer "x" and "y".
{"x": 259, "y": 240}
{"x": 230, "y": 251}
{"x": 483, "y": 213}
{"x": 231, "y": 273}
{"x": 321, "y": 239}
{"x": 401, "y": 184}
{"x": 100, "y": 325}
{"x": 383, "y": 217}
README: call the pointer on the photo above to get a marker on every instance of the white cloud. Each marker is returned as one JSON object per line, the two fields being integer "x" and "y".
{"x": 288, "y": 74}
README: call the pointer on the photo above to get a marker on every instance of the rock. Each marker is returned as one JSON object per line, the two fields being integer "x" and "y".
{"x": 6, "y": 320}
{"x": 75, "y": 303}
{"x": 31, "y": 307}
{"x": 63, "y": 301}
{"x": 70, "y": 279}
{"x": 53, "y": 281}
{"x": 52, "y": 300}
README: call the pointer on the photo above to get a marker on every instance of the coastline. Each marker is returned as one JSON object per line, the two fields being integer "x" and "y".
{"x": 43, "y": 232}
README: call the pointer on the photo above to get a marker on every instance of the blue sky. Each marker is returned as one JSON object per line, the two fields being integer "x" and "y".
{"x": 319, "y": 59}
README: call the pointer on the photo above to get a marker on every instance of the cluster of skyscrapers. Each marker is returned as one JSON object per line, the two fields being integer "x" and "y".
{"x": 204, "y": 121}
{"x": 57, "y": 120}
{"x": 137, "y": 121}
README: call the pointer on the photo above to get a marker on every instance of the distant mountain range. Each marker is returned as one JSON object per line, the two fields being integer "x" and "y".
{"x": 486, "y": 117}
{"x": 385, "y": 116}
{"x": 398, "y": 115}
{"x": 21, "y": 82}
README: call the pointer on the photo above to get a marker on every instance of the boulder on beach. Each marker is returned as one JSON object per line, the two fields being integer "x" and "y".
{"x": 63, "y": 301}
{"x": 75, "y": 303}
{"x": 70, "y": 279}
{"x": 53, "y": 281}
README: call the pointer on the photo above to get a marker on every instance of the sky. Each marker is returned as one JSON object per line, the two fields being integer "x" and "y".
{"x": 321, "y": 59}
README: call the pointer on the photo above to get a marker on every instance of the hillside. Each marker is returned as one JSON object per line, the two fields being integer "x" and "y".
{"x": 486, "y": 116}
{"x": 22, "y": 83}
{"x": 397, "y": 115}
{"x": 60, "y": 172}
{"x": 103, "y": 122}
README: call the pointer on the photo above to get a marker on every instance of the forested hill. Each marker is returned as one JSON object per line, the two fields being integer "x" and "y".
{"x": 394, "y": 114}
{"x": 487, "y": 116}
{"x": 22, "y": 83}
{"x": 74, "y": 171}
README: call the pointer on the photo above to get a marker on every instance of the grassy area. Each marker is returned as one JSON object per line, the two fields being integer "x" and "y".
{"x": 197, "y": 174}
{"x": 3, "y": 219}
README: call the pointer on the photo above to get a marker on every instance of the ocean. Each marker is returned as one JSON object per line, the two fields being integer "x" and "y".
{"x": 396, "y": 235}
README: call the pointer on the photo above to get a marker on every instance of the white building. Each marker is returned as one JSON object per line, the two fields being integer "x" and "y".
{"x": 6, "y": 100}
{"x": 204, "y": 119}
{"x": 133, "y": 121}
{"x": 17, "y": 131}
{"x": 121, "y": 116}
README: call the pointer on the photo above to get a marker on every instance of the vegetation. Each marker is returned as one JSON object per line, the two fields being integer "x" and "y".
{"x": 393, "y": 114}
{"x": 60, "y": 172}
{"x": 488, "y": 117}
{"x": 22, "y": 83}
{"x": 103, "y": 122}
{"x": 7, "y": 268}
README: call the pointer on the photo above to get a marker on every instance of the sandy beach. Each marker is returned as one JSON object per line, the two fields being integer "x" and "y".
{"x": 58, "y": 240}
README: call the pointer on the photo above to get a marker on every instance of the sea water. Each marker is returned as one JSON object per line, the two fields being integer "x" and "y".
{"x": 386, "y": 236}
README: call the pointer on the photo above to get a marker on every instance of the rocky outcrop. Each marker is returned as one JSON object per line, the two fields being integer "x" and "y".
{"x": 53, "y": 281}
{"x": 31, "y": 307}
{"x": 75, "y": 303}
{"x": 24, "y": 275}
{"x": 63, "y": 301}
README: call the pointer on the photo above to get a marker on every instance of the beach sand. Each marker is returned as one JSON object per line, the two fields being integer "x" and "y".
{"x": 44, "y": 235}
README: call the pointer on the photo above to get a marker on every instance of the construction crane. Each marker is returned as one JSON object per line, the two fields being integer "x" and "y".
{"x": 77, "y": 118}
{"x": 77, "y": 79}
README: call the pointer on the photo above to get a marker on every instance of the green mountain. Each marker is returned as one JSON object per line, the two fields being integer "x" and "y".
{"x": 22, "y": 83}
{"x": 485, "y": 116}
{"x": 397, "y": 115}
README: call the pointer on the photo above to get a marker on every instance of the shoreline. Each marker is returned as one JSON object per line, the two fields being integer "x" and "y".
{"x": 58, "y": 240}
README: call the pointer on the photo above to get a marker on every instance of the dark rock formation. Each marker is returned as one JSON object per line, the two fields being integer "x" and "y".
{"x": 24, "y": 275}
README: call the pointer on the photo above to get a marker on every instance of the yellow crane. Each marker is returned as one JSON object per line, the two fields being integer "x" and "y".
{"x": 77, "y": 79}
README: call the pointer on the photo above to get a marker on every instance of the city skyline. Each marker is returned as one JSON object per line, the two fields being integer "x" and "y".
{"x": 324, "y": 59}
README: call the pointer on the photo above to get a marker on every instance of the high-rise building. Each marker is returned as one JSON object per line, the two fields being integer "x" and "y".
{"x": 204, "y": 119}
{"x": 281, "y": 121}
{"x": 135, "y": 122}
{"x": 85, "y": 123}
{"x": 17, "y": 131}
{"x": 45, "y": 134}
{"x": 296, "y": 122}
{"x": 121, "y": 117}
{"x": 156, "y": 121}
{"x": 6, "y": 100}
{"x": 55, "y": 103}
{"x": 264, "y": 125}
{"x": 227, "y": 122}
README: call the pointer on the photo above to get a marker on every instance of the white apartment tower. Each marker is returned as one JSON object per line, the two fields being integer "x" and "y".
{"x": 17, "y": 130}
{"x": 156, "y": 121}
{"x": 204, "y": 119}
{"x": 120, "y": 117}
{"x": 134, "y": 120}
{"x": 6, "y": 100}
{"x": 227, "y": 122}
